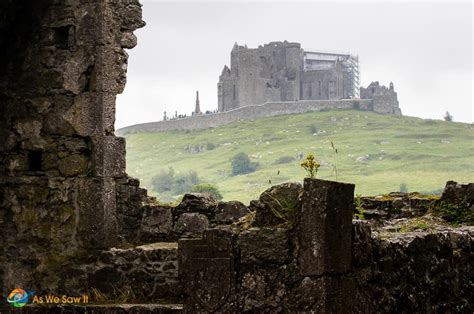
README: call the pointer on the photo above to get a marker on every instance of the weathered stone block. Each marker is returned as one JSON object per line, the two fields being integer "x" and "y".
{"x": 456, "y": 193}
{"x": 108, "y": 156}
{"x": 157, "y": 222}
{"x": 277, "y": 204}
{"x": 207, "y": 271}
{"x": 92, "y": 114}
{"x": 325, "y": 228}
{"x": 228, "y": 212}
{"x": 264, "y": 246}
{"x": 325, "y": 295}
{"x": 197, "y": 202}
{"x": 361, "y": 243}
{"x": 73, "y": 165}
{"x": 148, "y": 272}
{"x": 264, "y": 290}
{"x": 191, "y": 225}
{"x": 111, "y": 76}
{"x": 97, "y": 225}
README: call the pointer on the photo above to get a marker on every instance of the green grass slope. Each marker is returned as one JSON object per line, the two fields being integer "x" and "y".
{"x": 422, "y": 154}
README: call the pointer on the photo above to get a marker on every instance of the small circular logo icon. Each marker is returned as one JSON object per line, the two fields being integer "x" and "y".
{"x": 18, "y": 298}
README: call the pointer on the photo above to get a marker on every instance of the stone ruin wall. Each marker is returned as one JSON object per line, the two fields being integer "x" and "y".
{"x": 326, "y": 262}
{"x": 62, "y": 64}
{"x": 223, "y": 265}
{"x": 385, "y": 99}
{"x": 275, "y": 72}
{"x": 268, "y": 73}
{"x": 247, "y": 113}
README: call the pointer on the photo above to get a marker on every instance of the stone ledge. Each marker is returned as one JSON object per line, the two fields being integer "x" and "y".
{"x": 105, "y": 308}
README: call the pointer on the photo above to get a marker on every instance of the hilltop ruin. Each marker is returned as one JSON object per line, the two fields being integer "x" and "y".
{"x": 281, "y": 78}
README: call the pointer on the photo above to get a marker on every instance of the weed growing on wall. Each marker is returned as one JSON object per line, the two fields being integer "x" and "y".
{"x": 359, "y": 214}
{"x": 310, "y": 165}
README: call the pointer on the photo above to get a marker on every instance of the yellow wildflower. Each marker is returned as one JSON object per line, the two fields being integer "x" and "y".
{"x": 310, "y": 165}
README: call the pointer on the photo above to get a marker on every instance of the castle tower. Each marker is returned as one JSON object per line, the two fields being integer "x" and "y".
{"x": 197, "y": 110}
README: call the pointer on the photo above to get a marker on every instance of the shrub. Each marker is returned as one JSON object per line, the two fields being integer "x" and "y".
{"x": 313, "y": 129}
{"x": 163, "y": 182}
{"x": 359, "y": 207}
{"x": 241, "y": 164}
{"x": 284, "y": 160}
{"x": 185, "y": 182}
{"x": 454, "y": 213}
{"x": 210, "y": 146}
{"x": 168, "y": 181}
{"x": 207, "y": 188}
{"x": 403, "y": 188}
{"x": 448, "y": 117}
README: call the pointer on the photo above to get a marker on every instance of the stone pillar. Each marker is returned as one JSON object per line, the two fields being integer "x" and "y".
{"x": 325, "y": 240}
{"x": 197, "y": 110}
{"x": 207, "y": 271}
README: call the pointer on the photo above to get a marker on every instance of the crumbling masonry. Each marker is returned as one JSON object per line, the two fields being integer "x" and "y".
{"x": 72, "y": 222}
{"x": 62, "y": 170}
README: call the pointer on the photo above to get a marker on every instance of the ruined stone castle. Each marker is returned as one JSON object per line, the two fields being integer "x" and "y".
{"x": 281, "y": 78}
{"x": 282, "y": 71}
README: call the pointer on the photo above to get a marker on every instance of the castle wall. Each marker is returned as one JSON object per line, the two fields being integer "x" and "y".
{"x": 276, "y": 72}
{"x": 268, "y": 73}
{"x": 247, "y": 113}
{"x": 385, "y": 99}
{"x": 321, "y": 84}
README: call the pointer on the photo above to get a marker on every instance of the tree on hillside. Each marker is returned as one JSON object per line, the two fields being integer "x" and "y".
{"x": 184, "y": 183}
{"x": 163, "y": 182}
{"x": 448, "y": 117}
{"x": 241, "y": 164}
{"x": 168, "y": 181}
{"x": 207, "y": 188}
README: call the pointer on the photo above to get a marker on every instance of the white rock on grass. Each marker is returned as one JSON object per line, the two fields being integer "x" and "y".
{"x": 363, "y": 159}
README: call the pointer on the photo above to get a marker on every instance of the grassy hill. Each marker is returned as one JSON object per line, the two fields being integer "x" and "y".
{"x": 421, "y": 154}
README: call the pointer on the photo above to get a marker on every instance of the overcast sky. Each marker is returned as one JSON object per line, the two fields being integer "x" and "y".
{"x": 425, "y": 48}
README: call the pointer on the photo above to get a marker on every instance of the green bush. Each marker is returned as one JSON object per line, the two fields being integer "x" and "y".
{"x": 241, "y": 164}
{"x": 359, "y": 207}
{"x": 210, "y": 146}
{"x": 185, "y": 182}
{"x": 284, "y": 160}
{"x": 455, "y": 213}
{"x": 163, "y": 182}
{"x": 313, "y": 129}
{"x": 207, "y": 188}
{"x": 168, "y": 181}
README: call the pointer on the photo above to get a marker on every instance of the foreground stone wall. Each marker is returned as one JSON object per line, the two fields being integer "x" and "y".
{"x": 324, "y": 262}
{"x": 62, "y": 64}
{"x": 247, "y": 113}
{"x": 422, "y": 272}
{"x": 189, "y": 219}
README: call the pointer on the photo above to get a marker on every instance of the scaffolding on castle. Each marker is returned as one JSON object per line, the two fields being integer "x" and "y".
{"x": 319, "y": 60}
